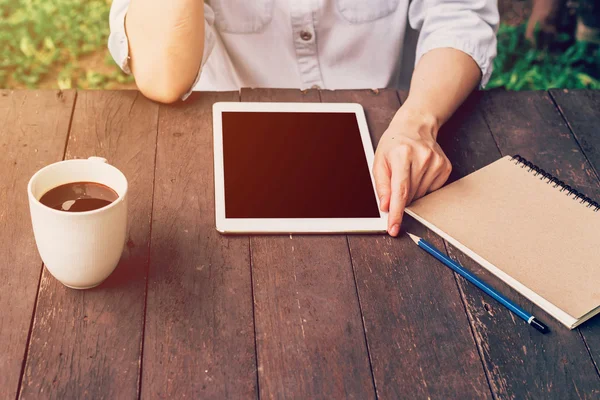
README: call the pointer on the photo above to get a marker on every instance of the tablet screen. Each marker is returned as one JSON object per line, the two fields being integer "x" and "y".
{"x": 295, "y": 165}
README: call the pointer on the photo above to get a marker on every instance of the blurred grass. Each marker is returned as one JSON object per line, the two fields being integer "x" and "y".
{"x": 62, "y": 44}
{"x": 564, "y": 63}
{"x": 56, "y": 38}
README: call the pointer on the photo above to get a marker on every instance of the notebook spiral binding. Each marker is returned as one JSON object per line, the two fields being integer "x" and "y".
{"x": 557, "y": 183}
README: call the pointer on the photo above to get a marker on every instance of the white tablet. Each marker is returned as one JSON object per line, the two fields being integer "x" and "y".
{"x": 294, "y": 168}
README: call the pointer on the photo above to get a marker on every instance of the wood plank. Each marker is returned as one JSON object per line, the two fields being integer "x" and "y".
{"x": 522, "y": 363}
{"x": 87, "y": 344}
{"x": 418, "y": 334}
{"x": 309, "y": 333}
{"x": 199, "y": 340}
{"x": 581, "y": 109}
{"x": 33, "y": 130}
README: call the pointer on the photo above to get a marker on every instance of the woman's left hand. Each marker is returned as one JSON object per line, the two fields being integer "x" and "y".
{"x": 408, "y": 163}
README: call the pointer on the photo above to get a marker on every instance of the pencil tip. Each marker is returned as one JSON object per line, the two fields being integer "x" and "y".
{"x": 414, "y": 238}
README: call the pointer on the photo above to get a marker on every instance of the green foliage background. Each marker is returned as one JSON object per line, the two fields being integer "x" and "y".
{"x": 46, "y": 43}
{"x": 520, "y": 66}
{"x": 50, "y": 37}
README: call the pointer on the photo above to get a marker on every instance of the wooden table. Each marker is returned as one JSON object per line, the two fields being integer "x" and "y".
{"x": 193, "y": 314}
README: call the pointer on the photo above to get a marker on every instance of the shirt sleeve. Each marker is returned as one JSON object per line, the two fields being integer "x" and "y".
{"x": 118, "y": 44}
{"x": 466, "y": 25}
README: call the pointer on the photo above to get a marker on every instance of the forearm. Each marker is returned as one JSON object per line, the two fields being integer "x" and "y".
{"x": 408, "y": 162}
{"x": 166, "y": 42}
{"x": 441, "y": 81}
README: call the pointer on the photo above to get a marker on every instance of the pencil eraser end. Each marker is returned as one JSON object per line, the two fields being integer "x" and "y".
{"x": 539, "y": 326}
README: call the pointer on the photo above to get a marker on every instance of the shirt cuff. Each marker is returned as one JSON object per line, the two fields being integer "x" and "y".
{"x": 209, "y": 44}
{"x": 478, "y": 52}
{"x": 118, "y": 45}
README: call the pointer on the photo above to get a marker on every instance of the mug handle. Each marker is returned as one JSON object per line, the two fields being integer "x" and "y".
{"x": 98, "y": 159}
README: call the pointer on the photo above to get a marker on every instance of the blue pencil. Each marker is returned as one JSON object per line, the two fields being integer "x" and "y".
{"x": 462, "y": 271}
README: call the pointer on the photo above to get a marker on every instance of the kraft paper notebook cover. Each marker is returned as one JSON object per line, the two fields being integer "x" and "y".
{"x": 522, "y": 224}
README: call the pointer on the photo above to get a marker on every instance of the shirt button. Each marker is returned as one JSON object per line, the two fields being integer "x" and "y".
{"x": 305, "y": 35}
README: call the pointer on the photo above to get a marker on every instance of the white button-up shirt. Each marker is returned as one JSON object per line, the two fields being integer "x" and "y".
{"x": 330, "y": 44}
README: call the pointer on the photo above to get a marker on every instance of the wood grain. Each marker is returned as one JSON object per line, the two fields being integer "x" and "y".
{"x": 199, "y": 340}
{"x": 418, "y": 334}
{"x": 309, "y": 333}
{"x": 581, "y": 109}
{"x": 521, "y": 363}
{"x": 87, "y": 344}
{"x": 33, "y": 131}
{"x": 467, "y": 140}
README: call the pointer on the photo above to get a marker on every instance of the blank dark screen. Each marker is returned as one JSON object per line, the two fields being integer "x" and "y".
{"x": 295, "y": 165}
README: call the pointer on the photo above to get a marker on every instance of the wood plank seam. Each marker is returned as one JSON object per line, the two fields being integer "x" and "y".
{"x": 26, "y": 353}
{"x": 463, "y": 298}
{"x": 588, "y": 162}
{"x": 362, "y": 319}
{"x": 60, "y": 94}
{"x": 252, "y": 293}
{"x": 587, "y": 347}
{"x": 360, "y": 307}
{"x": 487, "y": 124}
{"x": 254, "y": 316}
{"x": 360, "y": 304}
{"x": 569, "y": 125}
{"x": 140, "y": 374}
{"x": 95, "y": 132}
{"x": 198, "y": 319}
{"x": 37, "y": 293}
{"x": 251, "y": 265}
{"x": 253, "y": 299}
{"x": 462, "y": 295}
{"x": 289, "y": 345}
{"x": 563, "y": 116}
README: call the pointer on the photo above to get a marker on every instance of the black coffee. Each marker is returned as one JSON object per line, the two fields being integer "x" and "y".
{"x": 79, "y": 196}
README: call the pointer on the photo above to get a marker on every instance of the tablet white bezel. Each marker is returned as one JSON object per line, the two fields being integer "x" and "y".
{"x": 290, "y": 225}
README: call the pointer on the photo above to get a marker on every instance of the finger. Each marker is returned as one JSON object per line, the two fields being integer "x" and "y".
{"x": 439, "y": 181}
{"x": 419, "y": 169}
{"x": 423, "y": 160}
{"x": 435, "y": 169}
{"x": 425, "y": 183}
{"x": 381, "y": 173}
{"x": 400, "y": 182}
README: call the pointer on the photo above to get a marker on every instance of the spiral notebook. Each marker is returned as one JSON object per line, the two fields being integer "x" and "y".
{"x": 531, "y": 230}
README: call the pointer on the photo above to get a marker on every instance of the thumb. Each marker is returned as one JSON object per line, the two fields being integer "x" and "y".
{"x": 382, "y": 176}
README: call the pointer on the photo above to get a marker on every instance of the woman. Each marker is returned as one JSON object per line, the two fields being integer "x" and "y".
{"x": 176, "y": 46}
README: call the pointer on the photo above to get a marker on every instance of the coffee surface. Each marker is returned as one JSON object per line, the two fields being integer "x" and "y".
{"x": 79, "y": 197}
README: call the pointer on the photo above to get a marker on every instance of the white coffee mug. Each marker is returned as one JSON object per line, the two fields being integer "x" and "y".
{"x": 80, "y": 249}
